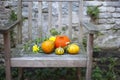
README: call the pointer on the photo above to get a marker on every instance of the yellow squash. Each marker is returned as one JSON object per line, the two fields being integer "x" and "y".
{"x": 73, "y": 49}
{"x": 52, "y": 38}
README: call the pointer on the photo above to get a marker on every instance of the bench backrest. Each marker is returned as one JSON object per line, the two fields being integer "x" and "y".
{"x": 45, "y": 19}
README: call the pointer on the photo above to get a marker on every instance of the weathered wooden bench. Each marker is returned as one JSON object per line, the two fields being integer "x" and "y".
{"x": 83, "y": 59}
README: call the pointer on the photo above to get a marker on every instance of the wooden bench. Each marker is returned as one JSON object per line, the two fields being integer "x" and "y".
{"x": 83, "y": 59}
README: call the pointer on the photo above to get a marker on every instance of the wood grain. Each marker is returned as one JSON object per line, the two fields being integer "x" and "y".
{"x": 50, "y": 0}
{"x": 50, "y": 60}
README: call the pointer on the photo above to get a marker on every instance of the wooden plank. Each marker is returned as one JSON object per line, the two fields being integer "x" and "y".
{"x": 50, "y": 60}
{"x": 8, "y": 26}
{"x": 70, "y": 20}
{"x": 19, "y": 27}
{"x": 90, "y": 58}
{"x": 49, "y": 16}
{"x": 7, "y": 55}
{"x": 40, "y": 18}
{"x": 19, "y": 30}
{"x": 80, "y": 21}
{"x": 49, "y": 0}
{"x": 79, "y": 77}
{"x": 30, "y": 21}
{"x": 60, "y": 16}
{"x": 20, "y": 73}
{"x": 90, "y": 27}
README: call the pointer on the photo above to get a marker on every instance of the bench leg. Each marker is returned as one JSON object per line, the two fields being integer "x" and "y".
{"x": 88, "y": 72}
{"x": 6, "y": 37}
{"x": 20, "y": 73}
{"x": 90, "y": 58}
{"x": 78, "y": 73}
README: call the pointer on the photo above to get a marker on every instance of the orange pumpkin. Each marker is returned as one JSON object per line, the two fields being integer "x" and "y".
{"x": 47, "y": 46}
{"x": 61, "y": 41}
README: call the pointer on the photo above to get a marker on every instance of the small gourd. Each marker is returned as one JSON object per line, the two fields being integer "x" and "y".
{"x": 73, "y": 49}
{"x": 35, "y": 48}
{"x": 52, "y": 38}
{"x": 59, "y": 51}
{"x": 47, "y": 46}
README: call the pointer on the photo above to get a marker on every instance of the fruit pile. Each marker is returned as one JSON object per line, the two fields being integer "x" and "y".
{"x": 59, "y": 44}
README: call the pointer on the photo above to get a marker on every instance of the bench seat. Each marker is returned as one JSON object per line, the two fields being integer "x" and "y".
{"x": 50, "y": 60}
{"x": 22, "y": 58}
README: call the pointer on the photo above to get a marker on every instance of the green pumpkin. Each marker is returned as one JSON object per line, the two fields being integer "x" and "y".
{"x": 59, "y": 51}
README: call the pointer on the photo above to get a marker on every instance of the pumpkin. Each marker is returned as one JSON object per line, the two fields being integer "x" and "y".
{"x": 47, "y": 46}
{"x": 73, "y": 49}
{"x": 61, "y": 41}
{"x": 59, "y": 51}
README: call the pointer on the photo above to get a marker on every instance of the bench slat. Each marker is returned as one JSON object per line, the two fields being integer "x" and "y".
{"x": 60, "y": 16}
{"x": 50, "y": 16}
{"x": 30, "y": 21}
{"x": 19, "y": 26}
{"x": 8, "y": 26}
{"x": 80, "y": 20}
{"x": 70, "y": 20}
{"x": 51, "y": 60}
{"x": 40, "y": 19}
{"x": 90, "y": 27}
{"x": 48, "y": 0}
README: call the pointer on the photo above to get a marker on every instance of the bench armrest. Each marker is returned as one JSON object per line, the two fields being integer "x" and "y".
{"x": 8, "y": 26}
{"x": 90, "y": 27}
